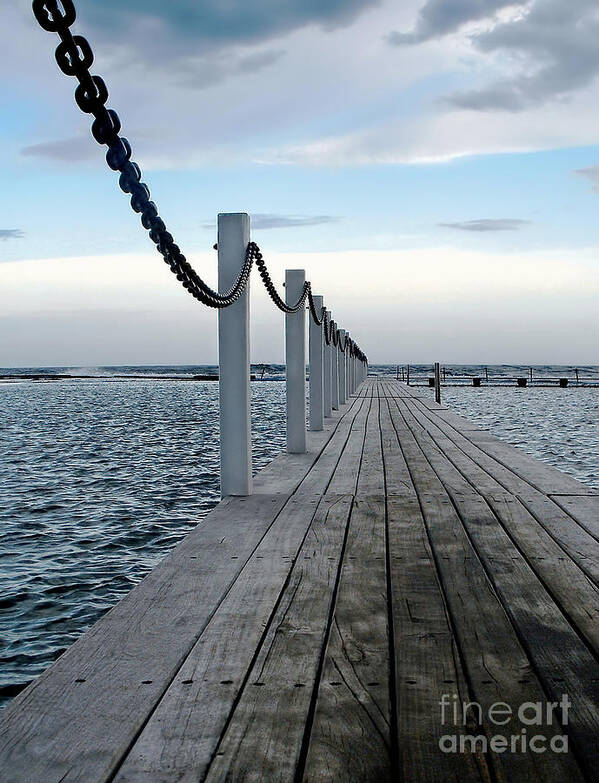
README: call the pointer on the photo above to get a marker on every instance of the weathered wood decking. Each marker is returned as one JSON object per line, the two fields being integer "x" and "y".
{"x": 308, "y": 632}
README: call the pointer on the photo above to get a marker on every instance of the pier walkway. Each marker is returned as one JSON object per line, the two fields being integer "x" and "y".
{"x": 313, "y": 630}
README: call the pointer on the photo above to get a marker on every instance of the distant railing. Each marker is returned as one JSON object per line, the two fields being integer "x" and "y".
{"x": 423, "y": 376}
{"x": 337, "y": 364}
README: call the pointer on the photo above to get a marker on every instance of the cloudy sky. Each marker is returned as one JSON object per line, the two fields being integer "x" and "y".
{"x": 433, "y": 164}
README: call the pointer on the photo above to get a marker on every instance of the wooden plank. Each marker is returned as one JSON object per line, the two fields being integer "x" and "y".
{"x": 562, "y": 576}
{"x": 541, "y": 475}
{"x": 182, "y": 734}
{"x": 397, "y": 476}
{"x": 574, "y": 539}
{"x": 548, "y": 633}
{"x": 264, "y": 736}
{"x": 286, "y": 471}
{"x": 427, "y": 661}
{"x": 583, "y": 509}
{"x": 495, "y": 663}
{"x": 458, "y": 471}
{"x": 76, "y": 721}
{"x": 371, "y": 477}
{"x": 571, "y": 588}
{"x": 458, "y": 422}
{"x": 345, "y": 477}
{"x": 454, "y": 463}
{"x": 431, "y": 404}
{"x": 537, "y": 474}
{"x": 319, "y": 477}
{"x": 523, "y": 467}
{"x": 545, "y": 633}
{"x": 351, "y": 734}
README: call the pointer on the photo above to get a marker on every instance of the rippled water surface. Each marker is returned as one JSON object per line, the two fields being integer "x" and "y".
{"x": 100, "y": 478}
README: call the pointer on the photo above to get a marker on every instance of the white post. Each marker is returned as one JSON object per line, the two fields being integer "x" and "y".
{"x": 335, "y": 373}
{"x": 342, "y": 378}
{"x": 316, "y": 370}
{"x": 295, "y": 358}
{"x": 234, "y": 360}
{"x": 328, "y": 380}
{"x": 347, "y": 368}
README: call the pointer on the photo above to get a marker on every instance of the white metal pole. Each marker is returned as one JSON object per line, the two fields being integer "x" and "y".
{"x": 295, "y": 358}
{"x": 234, "y": 360}
{"x": 316, "y": 370}
{"x": 335, "y": 373}
{"x": 328, "y": 380}
{"x": 342, "y": 395}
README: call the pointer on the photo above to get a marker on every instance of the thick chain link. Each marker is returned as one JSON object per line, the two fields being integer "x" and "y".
{"x": 318, "y": 320}
{"x": 75, "y": 58}
{"x": 272, "y": 291}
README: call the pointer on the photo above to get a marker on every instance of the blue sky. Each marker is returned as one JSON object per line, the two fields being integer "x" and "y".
{"x": 435, "y": 167}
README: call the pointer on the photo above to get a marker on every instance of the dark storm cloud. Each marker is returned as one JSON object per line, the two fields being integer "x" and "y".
{"x": 11, "y": 233}
{"x": 552, "y": 42}
{"x": 192, "y": 26}
{"x": 202, "y": 72}
{"x": 488, "y": 224}
{"x": 556, "y": 46}
{"x": 441, "y": 17}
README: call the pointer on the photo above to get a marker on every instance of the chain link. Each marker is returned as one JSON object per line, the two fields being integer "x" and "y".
{"x": 272, "y": 291}
{"x": 75, "y": 57}
{"x": 312, "y": 305}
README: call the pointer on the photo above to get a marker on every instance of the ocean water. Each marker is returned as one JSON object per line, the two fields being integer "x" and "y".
{"x": 98, "y": 481}
{"x": 101, "y": 476}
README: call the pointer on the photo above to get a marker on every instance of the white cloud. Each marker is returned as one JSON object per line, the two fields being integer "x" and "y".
{"x": 432, "y": 138}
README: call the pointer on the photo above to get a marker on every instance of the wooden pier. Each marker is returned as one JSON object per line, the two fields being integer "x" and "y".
{"x": 311, "y": 631}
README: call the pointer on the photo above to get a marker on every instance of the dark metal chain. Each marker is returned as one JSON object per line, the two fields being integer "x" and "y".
{"x": 272, "y": 291}
{"x": 318, "y": 320}
{"x": 75, "y": 57}
{"x": 326, "y": 327}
